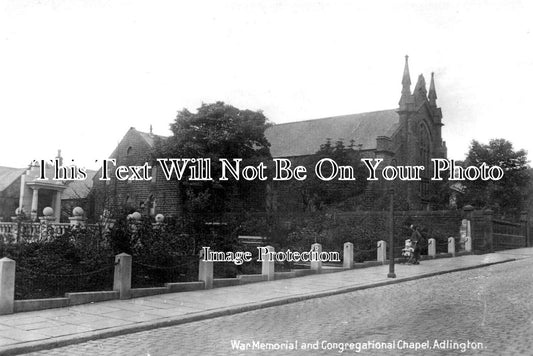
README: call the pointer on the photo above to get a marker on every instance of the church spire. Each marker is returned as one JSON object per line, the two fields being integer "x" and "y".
{"x": 406, "y": 79}
{"x": 406, "y": 84}
{"x": 432, "y": 95}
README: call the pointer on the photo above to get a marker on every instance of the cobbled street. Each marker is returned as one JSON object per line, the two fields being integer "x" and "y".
{"x": 491, "y": 305}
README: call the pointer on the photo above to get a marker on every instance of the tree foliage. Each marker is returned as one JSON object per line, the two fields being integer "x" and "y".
{"x": 217, "y": 131}
{"x": 508, "y": 195}
{"x": 317, "y": 194}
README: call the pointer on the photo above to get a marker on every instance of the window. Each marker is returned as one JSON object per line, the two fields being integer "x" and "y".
{"x": 424, "y": 146}
{"x": 424, "y": 151}
{"x": 128, "y": 151}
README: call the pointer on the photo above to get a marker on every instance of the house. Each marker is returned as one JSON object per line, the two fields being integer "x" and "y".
{"x": 20, "y": 187}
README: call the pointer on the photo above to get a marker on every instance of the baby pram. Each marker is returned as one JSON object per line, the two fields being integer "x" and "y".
{"x": 408, "y": 252}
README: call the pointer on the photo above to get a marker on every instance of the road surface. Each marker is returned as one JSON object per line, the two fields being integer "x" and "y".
{"x": 486, "y": 311}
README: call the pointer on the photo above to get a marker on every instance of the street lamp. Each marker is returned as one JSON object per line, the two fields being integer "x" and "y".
{"x": 391, "y": 236}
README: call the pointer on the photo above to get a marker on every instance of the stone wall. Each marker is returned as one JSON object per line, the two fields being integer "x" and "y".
{"x": 151, "y": 197}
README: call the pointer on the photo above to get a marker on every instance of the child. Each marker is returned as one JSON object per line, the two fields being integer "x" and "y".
{"x": 408, "y": 251}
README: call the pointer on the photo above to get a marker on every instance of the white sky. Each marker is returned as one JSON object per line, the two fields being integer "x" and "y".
{"x": 76, "y": 75}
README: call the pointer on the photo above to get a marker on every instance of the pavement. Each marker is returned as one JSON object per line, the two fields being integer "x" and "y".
{"x": 46, "y": 329}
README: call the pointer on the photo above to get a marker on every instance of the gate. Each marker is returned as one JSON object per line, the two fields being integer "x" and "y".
{"x": 508, "y": 235}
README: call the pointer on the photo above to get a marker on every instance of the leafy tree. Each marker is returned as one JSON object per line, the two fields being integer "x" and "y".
{"x": 507, "y": 195}
{"x": 317, "y": 194}
{"x": 219, "y": 131}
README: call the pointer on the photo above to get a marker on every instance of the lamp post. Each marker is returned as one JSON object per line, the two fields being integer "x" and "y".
{"x": 391, "y": 236}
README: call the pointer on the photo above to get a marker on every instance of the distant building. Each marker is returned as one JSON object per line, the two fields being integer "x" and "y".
{"x": 19, "y": 187}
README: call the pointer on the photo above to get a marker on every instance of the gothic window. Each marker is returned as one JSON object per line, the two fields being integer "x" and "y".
{"x": 151, "y": 205}
{"x": 424, "y": 146}
{"x": 128, "y": 151}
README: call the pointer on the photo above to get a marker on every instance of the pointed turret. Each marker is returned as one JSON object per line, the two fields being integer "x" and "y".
{"x": 59, "y": 158}
{"x": 406, "y": 85}
{"x": 432, "y": 95}
{"x": 420, "y": 92}
{"x": 406, "y": 79}
{"x": 420, "y": 87}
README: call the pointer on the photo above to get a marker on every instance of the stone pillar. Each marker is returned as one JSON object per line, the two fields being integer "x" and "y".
{"x": 348, "y": 255}
{"x": 451, "y": 245}
{"x": 7, "y": 285}
{"x": 316, "y": 250}
{"x": 77, "y": 219}
{"x": 205, "y": 271}
{"x": 468, "y": 241}
{"x": 432, "y": 248}
{"x": 34, "y": 204}
{"x": 22, "y": 190}
{"x": 122, "y": 278}
{"x": 382, "y": 251}
{"x": 57, "y": 206}
{"x": 268, "y": 265}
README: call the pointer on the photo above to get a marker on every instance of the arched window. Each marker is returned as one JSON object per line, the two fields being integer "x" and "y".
{"x": 128, "y": 151}
{"x": 424, "y": 146}
{"x": 151, "y": 205}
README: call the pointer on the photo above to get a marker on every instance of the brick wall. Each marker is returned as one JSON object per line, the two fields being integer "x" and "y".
{"x": 137, "y": 195}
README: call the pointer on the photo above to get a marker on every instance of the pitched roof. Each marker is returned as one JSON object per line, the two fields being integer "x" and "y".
{"x": 149, "y": 137}
{"x": 8, "y": 175}
{"x": 79, "y": 189}
{"x": 305, "y": 137}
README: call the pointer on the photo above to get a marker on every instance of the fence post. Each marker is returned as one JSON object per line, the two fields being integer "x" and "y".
{"x": 382, "y": 251}
{"x": 525, "y": 227}
{"x": 122, "y": 278}
{"x": 348, "y": 255}
{"x": 205, "y": 271}
{"x": 451, "y": 245}
{"x": 316, "y": 264}
{"x": 7, "y": 285}
{"x": 469, "y": 216}
{"x": 268, "y": 264}
{"x": 489, "y": 235}
{"x": 468, "y": 241}
{"x": 432, "y": 248}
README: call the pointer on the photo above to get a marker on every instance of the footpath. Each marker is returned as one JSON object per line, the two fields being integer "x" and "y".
{"x": 46, "y": 329}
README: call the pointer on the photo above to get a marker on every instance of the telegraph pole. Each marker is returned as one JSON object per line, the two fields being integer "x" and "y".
{"x": 391, "y": 235}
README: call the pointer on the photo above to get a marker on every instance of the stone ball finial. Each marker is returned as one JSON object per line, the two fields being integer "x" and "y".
{"x": 77, "y": 211}
{"x": 468, "y": 207}
{"x": 48, "y": 211}
{"x": 159, "y": 218}
{"x": 136, "y": 216}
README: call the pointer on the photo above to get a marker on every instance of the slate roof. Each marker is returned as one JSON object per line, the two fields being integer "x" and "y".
{"x": 79, "y": 189}
{"x": 149, "y": 138}
{"x": 305, "y": 137}
{"x": 8, "y": 175}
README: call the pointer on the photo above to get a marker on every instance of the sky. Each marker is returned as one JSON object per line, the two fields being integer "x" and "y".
{"x": 76, "y": 75}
